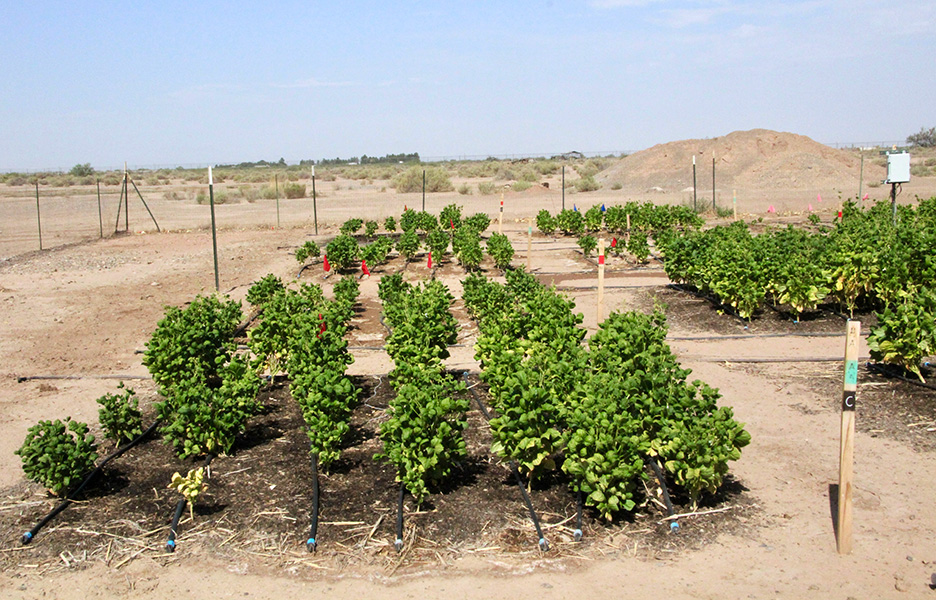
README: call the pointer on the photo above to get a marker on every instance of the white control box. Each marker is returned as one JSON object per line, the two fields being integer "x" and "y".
{"x": 898, "y": 168}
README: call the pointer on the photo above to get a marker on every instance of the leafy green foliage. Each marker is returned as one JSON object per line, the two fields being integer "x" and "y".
{"x": 370, "y": 228}
{"x": 906, "y": 331}
{"x": 479, "y": 222}
{"x": 263, "y": 290}
{"x": 570, "y": 222}
{"x": 438, "y": 241}
{"x": 408, "y": 244}
{"x": 587, "y": 243}
{"x": 639, "y": 246}
{"x": 343, "y": 252}
{"x": 201, "y": 333}
{"x": 450, "y": 217}
{"x": 545, "y": 222}
{"x": 594, "y": 218}
{"x": 467, "y": 246}
{"x": 203, "y": 417}
{"x": 351, "y": 226}
{"x": 58, "y": 454}
{"x": 308, "y": 250}
{"x": 390, "y": 224}
{"x": 120, "y": 416}
{"x": 500, "y": 249}
{"x": 376, "y": 252}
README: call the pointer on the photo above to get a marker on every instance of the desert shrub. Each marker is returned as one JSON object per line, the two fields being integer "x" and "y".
{"x": 546, "y": 167}
{"x": 294, "y": 190}
{"x": 84, "y": 170}
{"x": 586, "y": 184}
{"x": 616, "y": 185}
{"x": 926, "y": 138}
{"x": 464, "y": 189}
{"x": 521, "y": 186}
{"x": 486, "y": 188}
{"x": 530, "y": 175}
{"x": 411, "y": 180}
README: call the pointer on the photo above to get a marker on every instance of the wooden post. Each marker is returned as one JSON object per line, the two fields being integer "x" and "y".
{"x": 530, "y": 245}
{"x": 99, "y": 214}
{"x": 601, "y": 269}
{"x": 627, "y": 231}
{"x": 695, "y": 204}
{"x": 847, "y": 446}
{"x": 500, "y": 216}
{"x": 314, "y": 202}
{"x": 126, "y": 199}
{"x": 714, "y": 209}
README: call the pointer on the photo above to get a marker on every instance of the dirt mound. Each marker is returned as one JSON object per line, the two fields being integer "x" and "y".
{"x": 755, "y": 159}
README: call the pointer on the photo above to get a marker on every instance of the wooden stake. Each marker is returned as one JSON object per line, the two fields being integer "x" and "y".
{"x": 601, "y": 269}
{"x": 627, "y": 231}
{"x": 529, "y": 245}
{"x": 847, "y": 446}
{"x": 500, "y": 216}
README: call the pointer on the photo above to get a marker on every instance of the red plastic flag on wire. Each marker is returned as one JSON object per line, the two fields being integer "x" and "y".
{"x": 326, "y": 265}
{"x": 364, "y": 267}
{"x": 429, "y": 261}
{"x": 452, "y": 224}
{"x": 322, "y": 328}
{"x": 614, "y": 242}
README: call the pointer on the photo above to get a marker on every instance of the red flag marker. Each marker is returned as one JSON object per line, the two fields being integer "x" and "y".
{"x": 322, "y": 328}
{"x": 840, "y": 215}
{"x": 452, "y": 223}
{"x": 327, "y": 266}
{"x": 429, "y": 261}
{"x": 364, "y": 267}
{"x": 614, "y": 242}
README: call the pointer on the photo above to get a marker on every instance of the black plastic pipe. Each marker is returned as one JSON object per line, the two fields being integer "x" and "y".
{"x": 543, "y": 544}
{"x": 177, "y": 515}
{"x": 398, "y": 544}
{"x": 311, "y": 543}
{"x": 29, "y": 535}
{"x": 674, "y": 524}
{"x": 173, "y": 528}
{"x": 577, "y": 534}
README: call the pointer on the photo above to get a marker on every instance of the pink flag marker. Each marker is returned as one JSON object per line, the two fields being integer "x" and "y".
{"x": 810, "y": 208}
{"x": 818, "y": 197}
{"x": 865, "y": 197}
{"x": 771, "y": 209}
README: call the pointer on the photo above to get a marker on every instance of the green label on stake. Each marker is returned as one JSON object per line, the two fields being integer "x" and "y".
{"x": 851, "y": 372}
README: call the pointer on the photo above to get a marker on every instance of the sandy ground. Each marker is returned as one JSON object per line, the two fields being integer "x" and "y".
{"x": 85, "y": 310}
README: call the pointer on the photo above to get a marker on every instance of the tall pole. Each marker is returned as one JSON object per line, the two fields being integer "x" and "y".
{"x": 424, "y": 190}
{"x": 38, "y": 216}
{"x": 500, "y": 216}
{"x": 276, "y": 189}
{"x": 695, "y": 206}
{"x": 860, "y": 181}
{"x": 99, "y": 215}
{"x": 214, "y": 234}
{"x": 894, "y": 203}
{"x": 714, "y": 210}
{"x": 314, "y": 202}
{"x": 126, "y": 199}
{"x": 563, "y": 187}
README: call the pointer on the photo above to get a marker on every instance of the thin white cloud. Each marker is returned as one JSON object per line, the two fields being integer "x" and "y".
{"x": 621, "y": 3}
{"x": 315, "y": 83}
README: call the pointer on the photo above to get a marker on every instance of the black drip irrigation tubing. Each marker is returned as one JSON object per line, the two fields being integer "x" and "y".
{"x": 312, "y": 543}
{"x": 398, "y": 543}
{"x": 889, "y": 372}
{"x": 543, "y": 544}
{"x": 177, "y": 514}
{"x": 577, "y": 534}
{"x": 29, "y": 535}
{"x": 25, "y": 378}
{"x": 674, "y": 524}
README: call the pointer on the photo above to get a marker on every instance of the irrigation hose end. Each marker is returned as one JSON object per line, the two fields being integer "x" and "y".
{"x": 27, "y": 537}
{"x": 543, "y": 544}
{"x": 577, "y": 535}
{"x": 311, "y": 545}
{"x": 674, "y": 526}
{"x": 170, "y": 546}
{"x": 398, "y": 544}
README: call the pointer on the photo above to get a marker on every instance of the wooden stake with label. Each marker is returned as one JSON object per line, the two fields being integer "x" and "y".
{"x": 847, "y": 446}
{"x": 627, "y": 231}
{"x": 500, "y": 216}
{"x": 601, "y": 269}
{"x": 530, "y": 246}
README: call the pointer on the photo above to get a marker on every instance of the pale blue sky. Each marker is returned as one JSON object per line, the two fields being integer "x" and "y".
{"x": 169, "y": 83}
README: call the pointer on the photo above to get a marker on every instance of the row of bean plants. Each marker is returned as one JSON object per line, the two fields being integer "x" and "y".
{"x": 865, "y": 261}
{"x": 422, "y": 437}
{"x": 596, "y": 412}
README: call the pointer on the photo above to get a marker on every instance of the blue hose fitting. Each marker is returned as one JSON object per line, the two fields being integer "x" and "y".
{"x": 577, "y": 535}
{"x": 27, "y": 537}
{"x": 170, "y": 546}
{"x": 674, "y": 526}
{"x": 311, "y": 544}
{"x": 543, "y": 544}
{"x": 398, "y": 544}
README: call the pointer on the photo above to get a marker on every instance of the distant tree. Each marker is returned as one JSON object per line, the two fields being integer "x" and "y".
{"x": 926, "y": 138}
{"x": 84, "y": 170}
